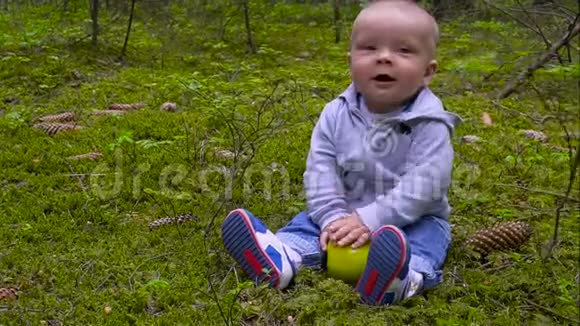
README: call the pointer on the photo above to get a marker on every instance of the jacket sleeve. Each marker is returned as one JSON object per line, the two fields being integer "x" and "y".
{"x": 422, "y": 190}
{"x": 323, "y": 187}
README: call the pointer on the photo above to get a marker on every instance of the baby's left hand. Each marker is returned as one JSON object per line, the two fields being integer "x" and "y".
{"x": 349, "y": 230}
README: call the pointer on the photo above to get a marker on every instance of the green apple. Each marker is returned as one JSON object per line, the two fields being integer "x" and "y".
{"x": 346, "y": 263}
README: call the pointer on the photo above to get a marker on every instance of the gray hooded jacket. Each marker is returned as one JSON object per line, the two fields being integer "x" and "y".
{"x": 392, "y": 172}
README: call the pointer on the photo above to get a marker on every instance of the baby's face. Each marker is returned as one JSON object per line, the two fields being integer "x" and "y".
{"x": 391, "y": 56}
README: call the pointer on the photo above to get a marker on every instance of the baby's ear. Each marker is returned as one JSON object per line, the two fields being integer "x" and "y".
{"x": 348, "y": 57}
{"x": 430, "y": 72}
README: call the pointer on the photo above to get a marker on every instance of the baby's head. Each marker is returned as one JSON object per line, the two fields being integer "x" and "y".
{"x": 392, "y": 52}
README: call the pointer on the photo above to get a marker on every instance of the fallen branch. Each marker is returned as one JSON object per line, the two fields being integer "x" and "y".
{"x": 547, "y": 56}
{"x": 499, "y": 105}
{"x": 551, "y": 311}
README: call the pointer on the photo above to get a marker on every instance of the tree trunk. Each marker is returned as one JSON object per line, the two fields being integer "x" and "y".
{"x": 442, "y": 7}
{"x": 251, "y": 43}
{"x": 95, "y": 18}
{"x": 337, "y": 22}
{"x": 124, "y": 51}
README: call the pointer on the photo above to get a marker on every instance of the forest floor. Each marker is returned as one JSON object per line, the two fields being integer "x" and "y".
{"x": 75, "y": 239}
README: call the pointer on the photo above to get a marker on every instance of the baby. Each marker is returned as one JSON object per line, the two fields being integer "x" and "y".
{"x": 378, "y": 169}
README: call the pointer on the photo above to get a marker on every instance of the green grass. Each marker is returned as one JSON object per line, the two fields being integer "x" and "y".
{"x": 75, "y": 243}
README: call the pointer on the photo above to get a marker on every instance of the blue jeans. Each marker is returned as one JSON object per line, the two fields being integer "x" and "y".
{"x": 429, "y": 240}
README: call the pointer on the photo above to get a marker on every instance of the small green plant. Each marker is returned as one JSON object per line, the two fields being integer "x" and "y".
{"x": 14, "y": 120}
{"x": 124, "y": 138}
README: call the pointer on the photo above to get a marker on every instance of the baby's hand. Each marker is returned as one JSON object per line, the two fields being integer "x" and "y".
{"x": 325, "y": 235}
{"x": 346, "y": 231}
{"x": 349, "y": 230}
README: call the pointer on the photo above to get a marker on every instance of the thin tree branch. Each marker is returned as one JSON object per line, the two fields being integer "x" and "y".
{"x": 79, "y": 177}
{"x": 573, "y": 30}
{"x": 505, "y": 12}
{"x": 551, "y": 311}
{"x": 499, "y": 105}
{"x": 540, "y": 191}
{"x": 564, "y": 9}
{"x": 539, "y": 29}
{"x": 545, "y": 13}
{"x": 573, "y": 168}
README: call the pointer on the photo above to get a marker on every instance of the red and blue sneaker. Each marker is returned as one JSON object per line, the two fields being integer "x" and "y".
{"x": 259, "y": 252}
{"x": 385, "y": 280}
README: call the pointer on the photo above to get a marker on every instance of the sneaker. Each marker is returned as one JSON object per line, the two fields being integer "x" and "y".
{"x": 256, "y": 249}
{"x": 385, "y": 280}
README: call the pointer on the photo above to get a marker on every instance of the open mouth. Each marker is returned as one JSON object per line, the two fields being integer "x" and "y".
{"x": 384, "y": 78}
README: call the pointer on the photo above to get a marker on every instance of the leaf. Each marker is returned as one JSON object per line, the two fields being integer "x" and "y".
{"x": 125, "y": 137}
{"x": 157, "y": 284}
{"x": 486, "y": 119}
{"x": 150, "y": 191}
{"x": 510, "y": 159}
{"x": 469, "y": 139}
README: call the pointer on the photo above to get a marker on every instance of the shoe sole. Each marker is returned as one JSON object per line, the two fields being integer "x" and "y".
{"x": 387, "y": 257}
{"x": 239, "y": 237}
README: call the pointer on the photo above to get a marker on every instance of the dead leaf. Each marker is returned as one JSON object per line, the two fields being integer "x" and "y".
{"x": 107, "y": 310}
{"x": 470, "y": 139}
{"x": 486, "y": 119}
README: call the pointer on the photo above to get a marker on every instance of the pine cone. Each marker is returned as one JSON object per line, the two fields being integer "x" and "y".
{"x": 8, "y": 293}
{"x": 54, "y": 128}
{"x": 504, "y": 236}
{"x": 127, "y": 107}
{"x": 534, "y": 135}
{"x": 88, "y": 156}
{"x": 61, "y": 117}
{"x": 108, "y": 112}
{"x": 225, "y": 154}
{"x": 179, "y": 219}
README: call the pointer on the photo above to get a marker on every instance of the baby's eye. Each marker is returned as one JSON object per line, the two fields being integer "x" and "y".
{"x": 406, "y": 50}
{"x": 368, "y": 47}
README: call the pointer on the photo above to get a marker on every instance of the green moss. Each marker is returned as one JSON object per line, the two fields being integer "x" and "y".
{"x": 74, "y": 235}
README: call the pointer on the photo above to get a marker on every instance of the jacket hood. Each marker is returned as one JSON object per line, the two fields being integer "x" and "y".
{"x": 424, "y": 106}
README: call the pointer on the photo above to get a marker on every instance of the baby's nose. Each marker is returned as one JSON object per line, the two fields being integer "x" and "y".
{"x": 384, "y": 56}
